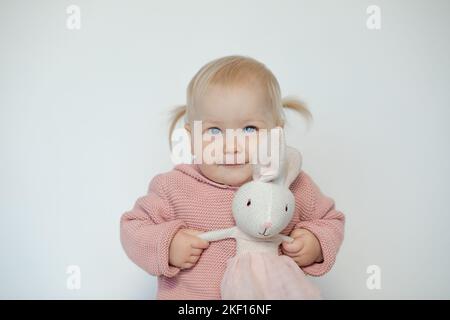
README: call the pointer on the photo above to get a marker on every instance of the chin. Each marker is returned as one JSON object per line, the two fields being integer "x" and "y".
{"x": 236, "y": 175}
{"x": 232, "y": 175}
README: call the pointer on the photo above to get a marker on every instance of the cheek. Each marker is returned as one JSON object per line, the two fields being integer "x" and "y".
{"x": 213, "y": 151}
{"x": 247, "y": 171}
{"x": 244, "y": 172}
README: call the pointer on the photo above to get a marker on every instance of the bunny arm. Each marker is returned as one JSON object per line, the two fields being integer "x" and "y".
{"x": 219, "y": 234}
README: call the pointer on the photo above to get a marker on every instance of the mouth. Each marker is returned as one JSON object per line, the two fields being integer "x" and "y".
{"x": 233, "y": 165}
{"x": 264, "y": 233}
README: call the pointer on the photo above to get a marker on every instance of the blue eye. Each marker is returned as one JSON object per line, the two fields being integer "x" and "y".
{"x": 249, "y": 129}
{"x": 214, "y": 130}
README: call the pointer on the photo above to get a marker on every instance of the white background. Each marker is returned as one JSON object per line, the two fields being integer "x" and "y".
{"x": 83, "y": 129}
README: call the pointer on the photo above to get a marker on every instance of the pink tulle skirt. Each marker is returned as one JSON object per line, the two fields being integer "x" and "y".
{"x": 265, "y": 276}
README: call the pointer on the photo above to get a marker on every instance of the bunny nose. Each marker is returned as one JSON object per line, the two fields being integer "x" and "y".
{"x": 267, "y": 225}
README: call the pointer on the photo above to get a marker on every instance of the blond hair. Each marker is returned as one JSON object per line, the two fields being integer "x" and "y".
{"x": 232, "y": 70}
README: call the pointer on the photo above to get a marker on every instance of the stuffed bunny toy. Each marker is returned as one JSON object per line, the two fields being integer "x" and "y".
{"x": 262, "y": 208}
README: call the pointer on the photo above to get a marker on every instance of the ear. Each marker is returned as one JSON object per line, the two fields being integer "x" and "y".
{"x": 188, "y": 129}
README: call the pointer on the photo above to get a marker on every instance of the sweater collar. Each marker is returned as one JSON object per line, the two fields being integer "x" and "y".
{"x": 194, "y": 171}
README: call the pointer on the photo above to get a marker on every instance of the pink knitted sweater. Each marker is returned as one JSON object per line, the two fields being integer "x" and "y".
{"x": 184, "y": 197}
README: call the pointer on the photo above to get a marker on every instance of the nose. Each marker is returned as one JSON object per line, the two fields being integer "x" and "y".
{"x": 232, "y": 146}
{"x": 233, "y": 151}
{"x": 267, "y": 225}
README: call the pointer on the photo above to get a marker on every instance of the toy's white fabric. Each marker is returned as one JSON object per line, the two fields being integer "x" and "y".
{"x": 262, "y": 209}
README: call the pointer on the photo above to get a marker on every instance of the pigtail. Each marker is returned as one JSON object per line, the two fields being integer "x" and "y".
{"x": 176, "y": 114}
{"x": 298, "y": 106}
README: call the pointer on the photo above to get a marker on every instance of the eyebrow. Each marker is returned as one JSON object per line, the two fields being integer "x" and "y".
{"x": 212, "y": 122}
{"x": 253, "y": 120}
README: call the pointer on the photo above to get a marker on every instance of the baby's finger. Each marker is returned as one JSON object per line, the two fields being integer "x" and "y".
{"x": 290, "y": 254}
{"x": 295, "y": 255}
{"x": 293, "y": 247}
{"x": 187, "y": 265}
{"x": 193, "y": 259}
{"x": 196, "y": 252}
{"x": 198, "y": 243}
{"x": 302, "y": 260}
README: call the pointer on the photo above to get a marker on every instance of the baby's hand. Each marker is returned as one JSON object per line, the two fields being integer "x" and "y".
{"x": 305, "y": 249}
{"x": 186, "y": 248}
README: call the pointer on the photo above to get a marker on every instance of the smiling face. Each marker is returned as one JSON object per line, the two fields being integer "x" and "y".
{"x": 262, "y": 209}
{"x": 244, "y": 107}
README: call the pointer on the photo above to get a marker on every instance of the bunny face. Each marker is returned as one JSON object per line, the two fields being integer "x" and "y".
{"x": 262, "y": 209}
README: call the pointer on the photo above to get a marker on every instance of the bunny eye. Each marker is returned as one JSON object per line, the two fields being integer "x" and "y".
{"x": 249, "y": 202}
{"x": 286, "y": 208}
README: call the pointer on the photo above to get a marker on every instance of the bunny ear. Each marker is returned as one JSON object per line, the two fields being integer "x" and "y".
{"x": 270, "y": 171}
{"x": 263, "y": 173}
{"x": 285, "y": 163}
{"x": 292, "y": 166}
{"x": 278, "y": 144}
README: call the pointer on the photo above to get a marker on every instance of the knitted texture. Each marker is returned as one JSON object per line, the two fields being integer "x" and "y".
{"x": 184, "y": 198}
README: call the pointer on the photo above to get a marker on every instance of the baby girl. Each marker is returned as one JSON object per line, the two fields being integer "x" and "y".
{"x": 160, "y": 233}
